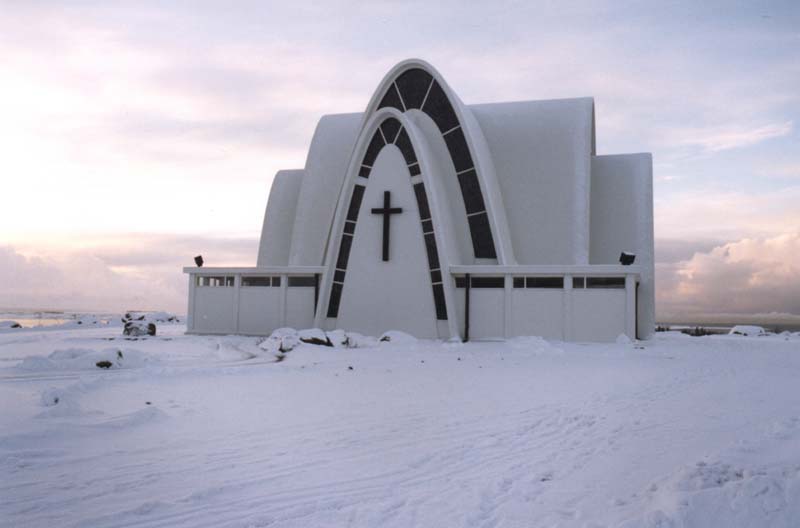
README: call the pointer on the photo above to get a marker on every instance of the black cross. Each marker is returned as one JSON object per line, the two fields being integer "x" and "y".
{"x": 386, "y": 211}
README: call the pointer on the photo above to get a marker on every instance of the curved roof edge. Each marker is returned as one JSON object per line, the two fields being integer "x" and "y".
{"x": 279, "y": 218}
{"x": 477, "y": 146}
{"x": 368, "y": 127}
{"x": 542, "y": 143}
{"x": 328, "y": 156}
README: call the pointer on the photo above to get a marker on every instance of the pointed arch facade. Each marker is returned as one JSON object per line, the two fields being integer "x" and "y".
{"x": 414, "y": 85}
{"x": 387, "y": 127}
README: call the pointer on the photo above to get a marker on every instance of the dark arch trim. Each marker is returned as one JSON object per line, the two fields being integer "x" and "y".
{"x": 417, "y": 89}
{"x": 390, "y": 132}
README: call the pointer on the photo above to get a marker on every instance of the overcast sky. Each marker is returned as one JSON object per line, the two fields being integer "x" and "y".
{"x": 134, "y": 135}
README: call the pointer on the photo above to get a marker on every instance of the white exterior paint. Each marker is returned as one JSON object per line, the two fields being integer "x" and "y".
{"x": 552, "y": 207}
{"x": 397, "y": 293}
{"x": 299, "y": 307}
{"x": 253, "y": 310}
{"x": 259, "y": 308}
{"x": 487, "y": 313}
{"x": 538, "y": 312}
{"x": 411, "y": 259}
{"x": 276, "y": 233}
{"x": 214, "y": 311}
{"x": 326, "y": 165}
{"x": 560, "y": 314}
{"x": 598, "y": 315}
{"x": 542, "y": 155}
{"x": 477, "y": 145}
{"x": 453, "y": 221}
{"x": 622, "y": 220}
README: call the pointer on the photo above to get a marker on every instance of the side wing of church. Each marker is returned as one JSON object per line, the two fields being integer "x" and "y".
{"x": 447, "y": 220}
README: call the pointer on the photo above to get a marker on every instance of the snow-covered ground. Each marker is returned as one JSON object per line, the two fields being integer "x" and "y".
{"x": 211, "y": 431}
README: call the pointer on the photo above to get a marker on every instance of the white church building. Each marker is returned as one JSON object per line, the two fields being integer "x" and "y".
{"x": 448, "y": 221}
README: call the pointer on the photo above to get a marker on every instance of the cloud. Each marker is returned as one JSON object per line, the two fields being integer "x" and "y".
{"x": 746, "y": 277}
{"x": 671, "y": 251}
{"x": 122, "y": 68}
{"x": 722, "y": 213}
{"x": 781, "y": 171}
{"x": 140, "y": 116}
{"x": 77, "y": 282}
{"x": 717, "y": 139}
{"x": 115, "y": 274}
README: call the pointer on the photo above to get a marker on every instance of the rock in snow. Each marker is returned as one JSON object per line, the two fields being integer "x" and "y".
{"x": 52, "y": 396}
{"x": 153, "y": 317}
{"x": 10, "y": 324}
{"x": 341, "y": 339}
{"x": 138, "y": 328}
{"x": 396, "y": 337}
{"x": 314, "y": 336}
{"x": 137, "y": 324}
{"x": 87, "y": 320}
{"x": 74, "y": 359}
{"x": 338, "y": 338}
{"x": 144, "y": 323}
{"x": 284, "y": 340}
{"x": 280, "y": 342}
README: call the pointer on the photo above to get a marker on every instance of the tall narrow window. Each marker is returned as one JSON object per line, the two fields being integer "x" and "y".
{"x": 389, "y": 132}
{"x": 415, "y": 88}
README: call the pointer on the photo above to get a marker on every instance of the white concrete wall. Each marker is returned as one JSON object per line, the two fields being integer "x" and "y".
{"x": 622, "y": 220}
{"x": 541, "y": 154}
{"x": 597, "y": 314}
{"x": 276, "y": 231}
{"x": 537, "y": 312}
{"x": 487, "y": 313}
{"x": 214, "y": 310}
{"x": 490, "y": 187}
{"x": 260, "y": 309}
{"x": 594, "y": 314}
{"x": 300, "y": 307}
{"x": 394, "y": 295}
{"x": 326, "y": 165}
{"x": 452, "y": 213}
{"x": 250, "y": 310}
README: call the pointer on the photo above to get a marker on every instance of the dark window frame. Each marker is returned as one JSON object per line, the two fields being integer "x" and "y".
{"x": 256, "y": 281}
{"x": 605, "y": 283}
{"x": 402, "y": 141}
{"x": 545, "y": 283}
{"x": 302, "y": 281}
{"x": 437, "y": 106}
{"x": 215, "y": 281}
{"x": 487, "y": 282}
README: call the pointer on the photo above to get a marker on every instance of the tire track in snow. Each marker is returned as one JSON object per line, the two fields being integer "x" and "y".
{"x": 288, "y": 504}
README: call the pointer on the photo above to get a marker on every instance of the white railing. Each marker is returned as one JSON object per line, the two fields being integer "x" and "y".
{"x": 548, "y": 270}
{"x": 228, "y": 306}
{"x": 265, "y": 270}
{"x": 571, "y": 312}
